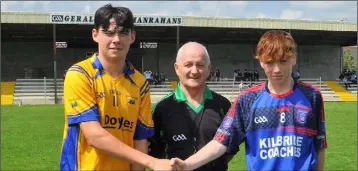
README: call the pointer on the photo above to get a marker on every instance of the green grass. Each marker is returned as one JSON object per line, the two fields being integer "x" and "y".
{"x": 31, "y": 137}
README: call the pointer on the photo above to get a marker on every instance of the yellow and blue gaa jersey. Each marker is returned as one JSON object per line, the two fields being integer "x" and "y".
{"x": 121, "y": 105}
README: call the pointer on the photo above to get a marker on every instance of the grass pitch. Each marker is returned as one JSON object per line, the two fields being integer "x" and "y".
{"x": 31, "y": 137}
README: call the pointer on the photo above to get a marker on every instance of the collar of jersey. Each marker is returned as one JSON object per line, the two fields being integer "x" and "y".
{"x": 180, "y": 96}
{"x": 128, "y": 67}
{"x": 295, "y": 84}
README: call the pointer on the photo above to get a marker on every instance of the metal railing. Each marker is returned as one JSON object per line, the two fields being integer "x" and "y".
{"x": 250, "y": 83}
{"x": 42, "y": 91}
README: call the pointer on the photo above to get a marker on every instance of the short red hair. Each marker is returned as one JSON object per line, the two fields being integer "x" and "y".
{"x": 275, "y": 45}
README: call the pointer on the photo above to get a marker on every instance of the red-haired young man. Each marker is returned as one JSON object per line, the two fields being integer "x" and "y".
{"x": 281, "y": 121}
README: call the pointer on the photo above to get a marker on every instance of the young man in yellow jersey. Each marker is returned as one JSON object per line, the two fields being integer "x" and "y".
{"x": 107, "y": 103}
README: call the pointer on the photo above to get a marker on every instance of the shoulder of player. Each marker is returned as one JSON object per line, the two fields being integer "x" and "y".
{"x": 138, "y": 78}
{"x": 83, "y": 68}
{"x": 164, "y": 104}
{"x": 251, "y": 92}
{"x": 308, "y": 88}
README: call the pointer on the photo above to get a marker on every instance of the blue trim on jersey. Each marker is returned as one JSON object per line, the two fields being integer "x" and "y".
{"x": 96, "y": 63}
{"x": 98, "y": 74}
{"x": 142, "y": 131}
{"x": 69, "y": 150}
{"x": 279, "y": 150}
{"x": 90, "y": 114}
{"x": 127, "y": 68}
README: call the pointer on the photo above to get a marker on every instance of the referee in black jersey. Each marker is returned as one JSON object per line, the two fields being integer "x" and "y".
{"x": 187, "y": 119}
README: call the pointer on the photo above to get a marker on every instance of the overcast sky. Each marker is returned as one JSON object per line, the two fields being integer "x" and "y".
{"x": 311, "y": 10}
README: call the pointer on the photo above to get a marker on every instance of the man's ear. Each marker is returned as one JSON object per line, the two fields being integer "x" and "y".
{"x": 133, "y": 35}
{"x": 95, "y": 35}
{"x": 261, "y": 64}
{"x": 294, "y": 60}
{"x": 209, "y": 69}
{"x": 176, "y": 68}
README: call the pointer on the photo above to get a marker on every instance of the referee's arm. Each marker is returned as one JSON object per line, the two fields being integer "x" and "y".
{"x": 156, "y": 142}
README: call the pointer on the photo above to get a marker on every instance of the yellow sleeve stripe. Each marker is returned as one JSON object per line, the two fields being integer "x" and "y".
{"x": 84, "y": 71}
{"x": 145, "y": 90}
{"x": 77, "y": 68}
{"x": 146, "y": 83}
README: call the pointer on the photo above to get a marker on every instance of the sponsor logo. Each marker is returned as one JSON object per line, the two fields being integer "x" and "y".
{"x": 118, "y": 123}
{"x": 57, "y": 18}
{"x": 223, "y": 131}
{"x": 180, "y": 137}
{"x": 280, "y": 147}
{"x": 282, "y": 109}
{"x": 100, "y": 95}
{"x": 72, "y": 19}
{"x": 260, "y": 119}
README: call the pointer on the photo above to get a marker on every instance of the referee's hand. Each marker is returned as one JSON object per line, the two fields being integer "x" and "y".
{"x": 178, "y": 164}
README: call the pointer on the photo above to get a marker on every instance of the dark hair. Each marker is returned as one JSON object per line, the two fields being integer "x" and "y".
{"x": 122, "y": 15}
{"x": 276, "y": 45}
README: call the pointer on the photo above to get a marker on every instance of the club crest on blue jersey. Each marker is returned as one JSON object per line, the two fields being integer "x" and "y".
{"x": 301, "y": 116}
{"x": 227, "y": 123}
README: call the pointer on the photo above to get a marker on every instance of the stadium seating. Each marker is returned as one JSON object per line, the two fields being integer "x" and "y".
{"x": 230, "y": 89}
{"x": 7, "y": 93}
{"x": 42, "y": 91}
{"x": 341, "y": 92}
{"x": 352, "y": 89}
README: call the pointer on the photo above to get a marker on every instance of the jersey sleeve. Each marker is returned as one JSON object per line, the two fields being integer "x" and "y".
{"x": 156, "y": 142}
{"x": 320, "y": 139}
{"x": 145, "y": 126}
{"x": 231, "y": 131}
{"x": 226, "y": 106}
{"x": 79, "y": 100}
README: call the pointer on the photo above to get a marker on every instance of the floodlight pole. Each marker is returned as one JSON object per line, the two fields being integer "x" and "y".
{"x": 54, "y": 60}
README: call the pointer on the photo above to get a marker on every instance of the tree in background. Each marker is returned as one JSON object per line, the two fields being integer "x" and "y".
{"x": 348, "y": 63}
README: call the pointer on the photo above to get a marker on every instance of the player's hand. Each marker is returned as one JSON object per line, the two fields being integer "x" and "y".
{"x": 161, "y": 165}
{"x": 179, "y": 164}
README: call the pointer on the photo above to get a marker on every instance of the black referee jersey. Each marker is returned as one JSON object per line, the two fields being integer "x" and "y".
{"x": 182, "y": 129}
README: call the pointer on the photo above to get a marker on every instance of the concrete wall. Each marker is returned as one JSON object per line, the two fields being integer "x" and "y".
{"x": 313, "y": 61}
{"x": 224, "y": 57}
{"x": 319, "y": 61}
{"x": 17, "y": 56}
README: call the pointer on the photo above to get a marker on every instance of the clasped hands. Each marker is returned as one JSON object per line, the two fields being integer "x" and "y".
{"x": 174, "y": 164}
